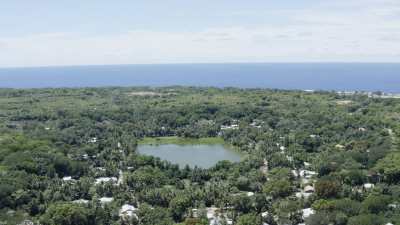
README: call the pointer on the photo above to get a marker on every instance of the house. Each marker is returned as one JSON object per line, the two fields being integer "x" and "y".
{"x": 256, "y": 124}
{"x": 368, "y": 186}
{"x": 307, "y": 212}
{"x": 105, "y": 200}
{"x": 92, "y": 140}
{"x": 249, "y": 194}
{"x": 219, "y": 221}
{"x": 101, "y": 180}
{"x": 302, "y": 194}
{"x": 211, "y": 211}
{"x": 217, "y": 218}
{"x": 26, "y": 222}
{"x": 339, "y": 146}
{"x": 307, "y": 173}
{"x": 85, "y": 156}
{"x": 306, "y": 192}
{"x": 81, "y": 201}
{"x": 68, "y": 178}
{"x": 230, "y": 127}
{"x": 309, "y": 189}
{"x": 128, "y": 211}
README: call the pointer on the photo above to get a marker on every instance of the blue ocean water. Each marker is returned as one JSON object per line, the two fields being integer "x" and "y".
{"x": 316, "y": 76}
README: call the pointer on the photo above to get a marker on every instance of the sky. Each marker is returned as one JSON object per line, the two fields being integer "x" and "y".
{"x": 98, "y": 32}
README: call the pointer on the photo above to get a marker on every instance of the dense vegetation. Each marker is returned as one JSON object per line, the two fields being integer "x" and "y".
{"x": 313, "y": 158}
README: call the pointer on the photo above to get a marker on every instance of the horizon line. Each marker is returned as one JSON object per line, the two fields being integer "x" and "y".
{"x": 196, "y": 63}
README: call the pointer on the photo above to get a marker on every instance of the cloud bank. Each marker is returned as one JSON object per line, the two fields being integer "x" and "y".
{"x": 341, "y": 31}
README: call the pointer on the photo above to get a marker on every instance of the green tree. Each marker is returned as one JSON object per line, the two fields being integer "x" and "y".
{"x": 327, "y": 187}
{"x": 65, "y": 214}
{"x": 249, "y": 219}
{"x": 375, "y": 203}
{"x": 179, "y": 206}
{"x": 389, "y": 167}
{"x": 366, "y": 219}
{"x": 154, "y": 216}
{"x": 278, "y": 188}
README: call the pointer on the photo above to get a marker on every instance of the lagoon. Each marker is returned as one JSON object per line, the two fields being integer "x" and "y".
{"x": 200, "y": 155}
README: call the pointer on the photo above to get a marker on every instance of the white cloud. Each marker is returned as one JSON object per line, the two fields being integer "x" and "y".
{"x": 357, "y": 30}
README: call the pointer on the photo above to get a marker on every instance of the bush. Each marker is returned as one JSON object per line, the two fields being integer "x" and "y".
{"x": 366, "y": 219}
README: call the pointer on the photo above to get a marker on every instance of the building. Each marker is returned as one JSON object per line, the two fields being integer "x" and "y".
{"x": 102, "y": 180}
{"x": 105, "y": 200}
{"x": 128, "y": 211}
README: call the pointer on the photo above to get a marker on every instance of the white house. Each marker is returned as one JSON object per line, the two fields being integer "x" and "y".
{"x": 249, "y": 194}
{"x": 307, "y": 212}
{"x": 68, "y": 178}
{"x": 307, "y": 173}
{"x": 128, "y": 211}
{"x": 93, "y": 140}
{"x": 339, "y": 146}
{"x": 101, "y": 180}
{"x": 230, "y": 127}
{"x": 81, "y": 201}
{"x": 368, "y": 186}
{"x": 301, "y": 194}
{"x": 309, "y": 189}
{"x": 216, "y": 219}
{"x": 105, "y": 200}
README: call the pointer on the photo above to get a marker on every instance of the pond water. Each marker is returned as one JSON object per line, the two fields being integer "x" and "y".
{"x": 204, "y": 156}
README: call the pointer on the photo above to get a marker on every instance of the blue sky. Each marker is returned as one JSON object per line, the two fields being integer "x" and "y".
{"x": 72, "y": 32}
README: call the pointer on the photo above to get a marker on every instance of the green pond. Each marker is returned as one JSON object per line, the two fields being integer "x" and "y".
{"x": 200, "y": 155}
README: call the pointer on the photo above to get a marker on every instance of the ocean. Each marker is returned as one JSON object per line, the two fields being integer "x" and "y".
{"x": 300, "y": 76}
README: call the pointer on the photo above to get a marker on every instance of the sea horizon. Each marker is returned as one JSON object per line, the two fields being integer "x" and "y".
{"x": 346, "y": 76}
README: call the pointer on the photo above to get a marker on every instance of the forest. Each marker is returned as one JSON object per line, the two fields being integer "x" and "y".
{"x": 68, "y": 156}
